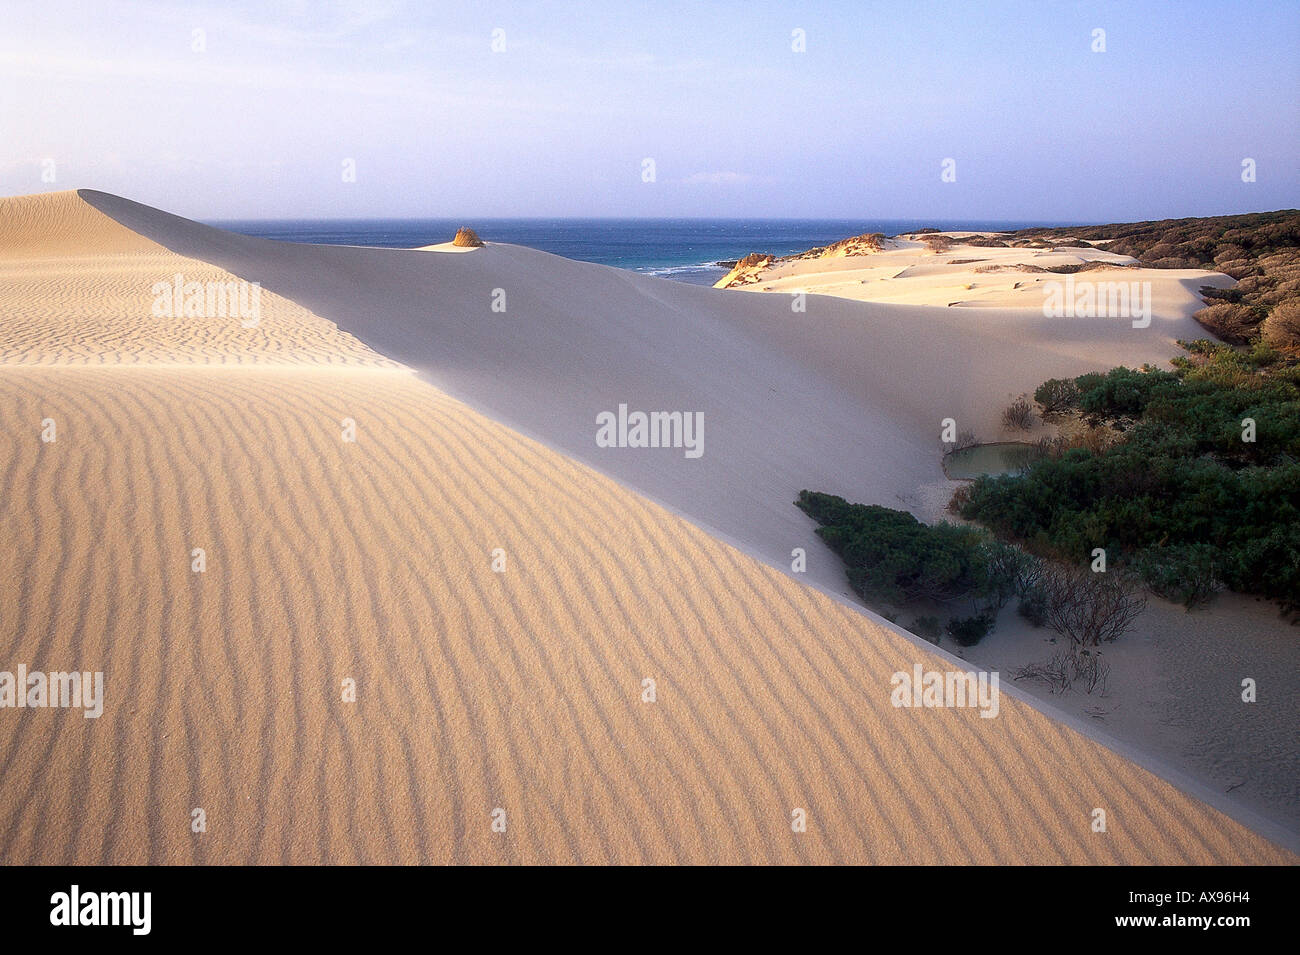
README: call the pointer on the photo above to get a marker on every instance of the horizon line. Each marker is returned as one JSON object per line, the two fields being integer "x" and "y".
{"x": 725, "y": 218}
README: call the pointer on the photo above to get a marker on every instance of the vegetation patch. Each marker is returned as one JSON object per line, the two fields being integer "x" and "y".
{"x": 889, "y": 555}
{"x": 1189, "y": 478}
{"x": 1019, "y": 414}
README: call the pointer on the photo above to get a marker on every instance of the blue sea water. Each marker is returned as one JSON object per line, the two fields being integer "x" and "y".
{"x": 687, "y": 250}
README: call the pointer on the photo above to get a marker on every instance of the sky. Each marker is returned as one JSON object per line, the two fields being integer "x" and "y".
{"x": 297, "y": 109}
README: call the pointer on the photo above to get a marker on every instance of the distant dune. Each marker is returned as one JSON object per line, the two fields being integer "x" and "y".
{"x": 522, "y": 690}
{"x": 905, "y": 271}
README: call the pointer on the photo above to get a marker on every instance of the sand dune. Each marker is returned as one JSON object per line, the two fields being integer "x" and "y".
{"x": 1010, "y": 280}
{"x": 47, "y": 321}
{"x": 475, "y": 690}
{"x": 522, "y": 690}
{"x": 847, "y": 397}
{"x": 56, "y": 224}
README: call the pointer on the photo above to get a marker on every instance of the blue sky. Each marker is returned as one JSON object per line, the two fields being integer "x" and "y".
{"x": 259, "y": 121}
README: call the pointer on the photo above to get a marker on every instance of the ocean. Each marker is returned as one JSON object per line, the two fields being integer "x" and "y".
{"x": 688, "y": 250}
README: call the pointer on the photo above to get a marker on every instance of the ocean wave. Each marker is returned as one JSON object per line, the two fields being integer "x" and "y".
{"x": 677, "y": 269}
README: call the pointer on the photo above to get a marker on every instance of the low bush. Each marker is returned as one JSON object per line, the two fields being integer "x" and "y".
{"x": 892, "y": 556}
{"x": 927, "y": 627}
{"x": 1066, "y": 668}
{"x": 1008, "y": 572}
{"x": 968, "y": 631}
{"x": 1033, "y": 607}
{"x": 965, "y": 439}
{"x": 1189, "y": 574}
{"x": 1018, "y": 415}
{"x": 1057, "y": 395}
{"x": 1089, "y": 608}
{"x": 1235, "y": 324}
{"x": 1207, "y": 464}
{"x": 1281, "y": 329}
{"x": 1120, "y": 391}
{"x": 467, "y": 238}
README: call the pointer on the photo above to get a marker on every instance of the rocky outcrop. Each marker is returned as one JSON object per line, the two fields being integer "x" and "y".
{"x": 746, "y": 271}
{"x": 749, "y": 270}
{"x": 467, "y": 238}
{"x": 863, "y": 244}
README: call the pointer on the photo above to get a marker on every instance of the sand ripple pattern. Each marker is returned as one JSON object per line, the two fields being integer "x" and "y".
{"x": 371, "y": 560}
{"x": 98, "y": 310}
{"x": 476, "y": 690}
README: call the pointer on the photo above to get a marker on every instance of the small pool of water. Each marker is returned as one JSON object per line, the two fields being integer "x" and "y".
{"x": 1004, "y": 457}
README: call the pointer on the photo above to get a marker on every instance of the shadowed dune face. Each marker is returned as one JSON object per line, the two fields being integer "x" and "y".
{"x": 371, "y": 560}
{"x": 845, "y": 397}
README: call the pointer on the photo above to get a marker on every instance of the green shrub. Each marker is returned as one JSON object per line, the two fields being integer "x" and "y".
{"x": 1057, "y": 395}
{"x": 1189, "y": 574}
{"x": 969, "y": 631}
{"x": 892, "y": 556}
{"x": 1033, "y": 607}
{"x": 1006, "y": 571}
{"x": 1018, "y": 415}
{"x": 1181, "y": 497}
{"x": 1120, "y": 391}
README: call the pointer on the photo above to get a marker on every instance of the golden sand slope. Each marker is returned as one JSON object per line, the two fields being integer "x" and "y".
{"x": 77, "y": 288}
{"x": 476, "y": 690}
{"x": 522, "y": 690}
{"x": 60, "y": 225}
{"x": 45, "y": 323}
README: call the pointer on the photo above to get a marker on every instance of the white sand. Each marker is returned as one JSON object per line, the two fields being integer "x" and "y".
{"x": 908, "y": 273}
{"x": 1175, "y": 684}
{"x": 520, "y": 690}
